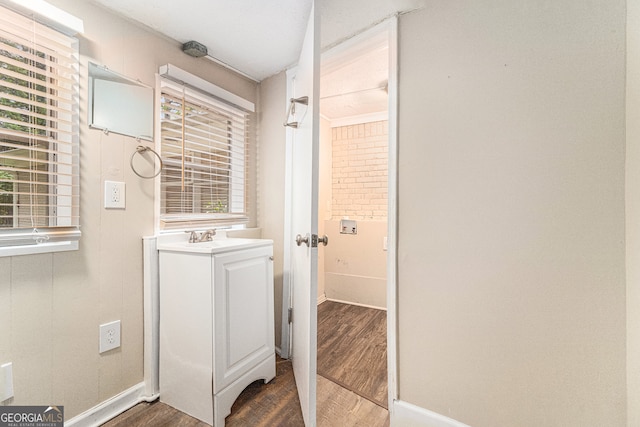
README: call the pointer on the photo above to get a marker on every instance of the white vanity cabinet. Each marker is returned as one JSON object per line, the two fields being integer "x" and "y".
{"x": 216, "y": 323}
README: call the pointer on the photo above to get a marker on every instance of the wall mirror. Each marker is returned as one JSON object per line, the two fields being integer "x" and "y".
{"x": 119, "y": 104}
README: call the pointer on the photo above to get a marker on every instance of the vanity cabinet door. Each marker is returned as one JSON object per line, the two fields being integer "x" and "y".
{"x": 242, "y": 312}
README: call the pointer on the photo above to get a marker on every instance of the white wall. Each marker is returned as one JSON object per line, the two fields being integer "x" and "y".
{"x": 356, "y": 264}
{"x": 271, "y": 170}
{"x": 51, "y": 305}
{"x": 511, "y": 253}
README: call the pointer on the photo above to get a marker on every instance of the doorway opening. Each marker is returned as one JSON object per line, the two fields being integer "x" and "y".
{"x": 354, "y": 213}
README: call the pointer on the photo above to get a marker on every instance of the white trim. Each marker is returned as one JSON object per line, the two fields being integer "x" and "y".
{"x": 151, "y": 315}
{"x": 41, "y": 248}
{"x": 157, "y": 130}
{"x": 355, "y": 303}
{"x": 405, "y": 414}
{"x": 178, "y": 74}
{"x": 392, "y": 216}
{"x": 285, "y": 338}
{"x": 48, "y": 15}
{"x": 359, "y": 119}
{"x": 322, "y": 298}
{"x": 111, "y": 408}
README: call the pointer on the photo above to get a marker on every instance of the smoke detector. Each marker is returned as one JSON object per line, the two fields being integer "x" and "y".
{"x": 195, "y": 49}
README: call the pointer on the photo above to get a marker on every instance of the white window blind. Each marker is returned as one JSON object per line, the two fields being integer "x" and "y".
{"x": 39, "y": 182}
{"x": 204, "y": 152}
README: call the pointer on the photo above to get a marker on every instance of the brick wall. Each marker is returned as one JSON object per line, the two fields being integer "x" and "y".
{"x": 359, "y": 175}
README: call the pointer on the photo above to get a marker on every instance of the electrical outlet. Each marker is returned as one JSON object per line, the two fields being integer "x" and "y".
{"x": 114, "y": 195}
{"x": 109, "y": 336}
{"x": 6, "y": 381}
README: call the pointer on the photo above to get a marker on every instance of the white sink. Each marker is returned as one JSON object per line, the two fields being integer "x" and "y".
{"x": 213, "y": 246}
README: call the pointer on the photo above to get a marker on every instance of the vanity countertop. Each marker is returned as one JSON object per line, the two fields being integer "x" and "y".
{"x": 214, "y": 246}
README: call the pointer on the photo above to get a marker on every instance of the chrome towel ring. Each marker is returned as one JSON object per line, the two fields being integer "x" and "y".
{"x": 140, "y": 149}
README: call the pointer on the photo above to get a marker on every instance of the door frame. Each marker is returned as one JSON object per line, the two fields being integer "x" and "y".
{"x": 390, "y": 25}
{"x": 392, "y": 224}
{"x": 285, "y": 339}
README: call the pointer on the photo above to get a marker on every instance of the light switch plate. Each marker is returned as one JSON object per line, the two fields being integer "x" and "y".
{"x": 114, "y": 195}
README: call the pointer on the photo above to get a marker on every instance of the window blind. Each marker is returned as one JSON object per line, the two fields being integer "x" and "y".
{"x": 39, "y": 172}
{"x": 204, "y": 152}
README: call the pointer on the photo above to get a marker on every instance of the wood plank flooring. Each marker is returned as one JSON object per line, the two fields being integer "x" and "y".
{"x": 277, "y": 403}
{"x": 352, "y": 349}
{"x": 338, "y": 406}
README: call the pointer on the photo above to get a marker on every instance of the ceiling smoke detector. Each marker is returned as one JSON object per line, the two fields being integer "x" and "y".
{"x": 195, "y": 49}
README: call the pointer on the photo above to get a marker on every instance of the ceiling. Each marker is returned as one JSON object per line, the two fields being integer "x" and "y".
{"x": 262, "y": 38}
{"x": 258, "y": 38}
{"x": 353, "y": 80}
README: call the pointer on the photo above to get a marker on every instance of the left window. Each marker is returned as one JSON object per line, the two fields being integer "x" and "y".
{"x": 39, "y": 154}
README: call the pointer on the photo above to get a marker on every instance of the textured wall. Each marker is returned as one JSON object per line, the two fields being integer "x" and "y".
{"x": 511, "y": 252}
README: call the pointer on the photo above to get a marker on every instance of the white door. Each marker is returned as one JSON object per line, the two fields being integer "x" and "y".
{"x": 303, "y": 220}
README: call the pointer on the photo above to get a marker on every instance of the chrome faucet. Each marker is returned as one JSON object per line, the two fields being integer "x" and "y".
{"x": 207, "y": 236}
{"x": 193, "y": 237}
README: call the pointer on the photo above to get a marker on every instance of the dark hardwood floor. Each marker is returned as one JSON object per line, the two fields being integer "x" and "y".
{"x": 351, "y": 381}
{"x": 352, "y": 349}
{"x": 272, "y": 404}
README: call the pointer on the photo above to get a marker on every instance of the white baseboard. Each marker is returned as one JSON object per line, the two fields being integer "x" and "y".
{"x": 322, "y": 298}
{"x": 355, "y": 303}
{"x": 407, "y": 415}
{"x": 111, "y": 408}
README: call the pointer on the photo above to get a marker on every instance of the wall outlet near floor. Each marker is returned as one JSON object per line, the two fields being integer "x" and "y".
{"x": 6, "y": 381}
{"x": 109, "y": 336}
{"x": 114, "y": 195}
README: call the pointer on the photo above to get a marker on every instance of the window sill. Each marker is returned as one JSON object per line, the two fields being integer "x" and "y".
{"x": 40, "y": 248}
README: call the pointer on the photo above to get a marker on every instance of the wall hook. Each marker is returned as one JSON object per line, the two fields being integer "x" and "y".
{"x": 304, "y": 100}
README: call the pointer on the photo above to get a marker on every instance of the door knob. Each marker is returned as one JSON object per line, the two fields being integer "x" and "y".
{"x": 324, "y": 240}
{"x": 300, "y": 240}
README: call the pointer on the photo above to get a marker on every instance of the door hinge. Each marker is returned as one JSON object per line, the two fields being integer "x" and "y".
{"x": 290, "y": 315}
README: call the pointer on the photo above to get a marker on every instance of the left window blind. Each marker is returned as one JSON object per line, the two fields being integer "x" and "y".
{"x": 39, "y": 154}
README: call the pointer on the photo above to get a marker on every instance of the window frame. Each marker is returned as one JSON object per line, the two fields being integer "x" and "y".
{"x": 62, "y": 229}
{"x": 199, "y": 91}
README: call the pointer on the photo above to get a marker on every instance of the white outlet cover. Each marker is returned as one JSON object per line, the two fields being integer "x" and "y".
{"x": 109, "y": 336}
{"x": 114, "y": 195}
{"x": 6, "y": 381}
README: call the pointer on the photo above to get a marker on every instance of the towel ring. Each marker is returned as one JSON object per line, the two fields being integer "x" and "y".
{"x": 139, "y": 150}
